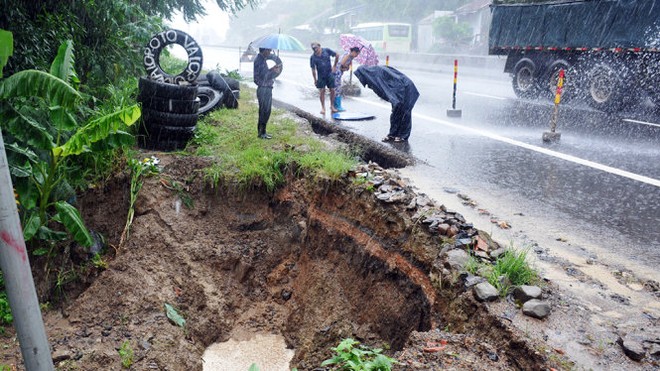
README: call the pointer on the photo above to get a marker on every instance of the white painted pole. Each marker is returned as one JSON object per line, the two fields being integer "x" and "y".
{"x": 18, "y": 278}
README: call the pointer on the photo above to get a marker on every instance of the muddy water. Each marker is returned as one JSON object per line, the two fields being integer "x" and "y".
{"x": 267, "y": 351}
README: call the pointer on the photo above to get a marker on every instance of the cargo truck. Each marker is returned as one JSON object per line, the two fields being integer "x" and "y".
{"x": 609, "y": 49}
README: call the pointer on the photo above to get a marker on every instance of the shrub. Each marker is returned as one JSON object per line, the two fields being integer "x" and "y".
{"x": 350, "y": 355}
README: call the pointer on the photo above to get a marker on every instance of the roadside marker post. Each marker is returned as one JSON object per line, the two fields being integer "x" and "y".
{"x": 453, "y": 112}
{"x": 19, "y": 284}
{"x": 552, "y": 135}
{"x": 14, "y": 261}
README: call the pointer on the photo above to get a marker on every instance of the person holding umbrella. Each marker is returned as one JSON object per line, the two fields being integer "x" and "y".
{"x": 345, "y": 62}
{"x": 264, "y": 78}
{"x": 322, "y": 71}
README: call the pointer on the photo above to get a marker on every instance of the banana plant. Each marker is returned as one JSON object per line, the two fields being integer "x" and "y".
{"x": 38, "y": 115}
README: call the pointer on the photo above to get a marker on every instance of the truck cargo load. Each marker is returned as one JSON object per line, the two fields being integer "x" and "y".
{"x": 610, "y": 49}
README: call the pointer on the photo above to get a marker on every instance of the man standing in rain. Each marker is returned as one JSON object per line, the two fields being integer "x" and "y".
{"x": 395, "y": 87}
{"x": 323, "y": 73}
{"x": 264, "y": 78}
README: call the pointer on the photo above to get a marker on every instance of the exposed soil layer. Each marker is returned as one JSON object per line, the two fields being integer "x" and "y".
{"x": 317, "y": 261}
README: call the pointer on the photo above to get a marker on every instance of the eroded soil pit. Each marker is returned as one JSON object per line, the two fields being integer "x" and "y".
{"x": 315, "y": 262}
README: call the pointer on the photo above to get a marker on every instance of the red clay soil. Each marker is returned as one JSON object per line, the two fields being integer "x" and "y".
{"x": 316, "y": 262}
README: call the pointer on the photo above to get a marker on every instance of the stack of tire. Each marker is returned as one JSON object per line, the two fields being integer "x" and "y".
{"x": 217, "y": 91}
{"x": 170, "y": 105}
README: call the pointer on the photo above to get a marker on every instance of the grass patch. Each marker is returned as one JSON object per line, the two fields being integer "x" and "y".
{"x": 247, "y": 161}
{"x": 511, "y": 269}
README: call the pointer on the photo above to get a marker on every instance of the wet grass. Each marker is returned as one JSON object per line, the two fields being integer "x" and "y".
{"x": 511, "y": 269}
{"x": 230, "y": 136}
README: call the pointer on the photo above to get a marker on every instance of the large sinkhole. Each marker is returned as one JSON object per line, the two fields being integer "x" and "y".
{"x": 314, "y": 262}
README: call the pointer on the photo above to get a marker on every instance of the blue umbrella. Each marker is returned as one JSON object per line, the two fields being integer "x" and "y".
{"x": 278, "y": 41}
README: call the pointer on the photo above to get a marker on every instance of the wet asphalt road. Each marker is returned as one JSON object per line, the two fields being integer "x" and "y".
{"x": 601, "y": 179}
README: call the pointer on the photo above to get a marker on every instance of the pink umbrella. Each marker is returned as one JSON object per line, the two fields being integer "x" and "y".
{"x": 367, "y": 56}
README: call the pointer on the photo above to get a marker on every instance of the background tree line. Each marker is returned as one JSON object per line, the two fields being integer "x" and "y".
{"x": 108, "y": 35}
{"x": 285, "y": 15}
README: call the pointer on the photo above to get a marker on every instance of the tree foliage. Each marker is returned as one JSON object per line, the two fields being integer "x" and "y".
{"x": 285, "y": 15}
{"x": 452, "y": 32}
{"x": 108, "y": 34}
{"x": 410, "y": 11}
{"x": 38, "y": 119}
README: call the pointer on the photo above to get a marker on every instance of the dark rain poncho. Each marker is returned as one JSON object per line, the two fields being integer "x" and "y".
{"x": 395, "y": 87}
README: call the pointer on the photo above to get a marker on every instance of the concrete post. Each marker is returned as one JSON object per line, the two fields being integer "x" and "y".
{"x": 18, "y": 278}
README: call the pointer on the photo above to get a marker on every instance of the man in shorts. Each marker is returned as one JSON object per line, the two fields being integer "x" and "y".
{"x": 322, "y": 71}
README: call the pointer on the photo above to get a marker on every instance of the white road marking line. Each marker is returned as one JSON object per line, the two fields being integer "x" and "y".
{"x": 642, "y": 122}
{"x": 484, "y": 95}
{"x": 549, "y": 152}
{"x": 545, "y": 151}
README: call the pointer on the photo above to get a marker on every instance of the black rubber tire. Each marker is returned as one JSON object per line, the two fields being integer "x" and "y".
{"x": 210, "y": 99}
{"x": 524, "y": 80}
{"x": 169, "y": 119}
{"x": 150, "y": 88}
{"x": 231, "y": 100}
{"x": 164, "y": 138}
{"x": 219, "y": 82}
{"x": 170, "y": 105}
{"x": 155, "y": 46}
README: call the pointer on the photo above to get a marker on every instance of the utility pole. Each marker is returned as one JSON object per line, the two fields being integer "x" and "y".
{"x": 19, "y": 283}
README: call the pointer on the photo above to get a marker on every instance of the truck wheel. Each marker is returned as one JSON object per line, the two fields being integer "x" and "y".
{"x": 524, "y": 82}
{"x": 551, "y": 78}
{"x": 654, "y": 96}
{"x": 609, "y": 87}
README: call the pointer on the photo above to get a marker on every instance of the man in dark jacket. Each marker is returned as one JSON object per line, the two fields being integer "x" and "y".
{"x": 264, "y": 78}
{"x": 395, "y": 87}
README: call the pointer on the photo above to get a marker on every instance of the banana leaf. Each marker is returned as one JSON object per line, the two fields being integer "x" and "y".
{"x": 21, "y": 125}
{"x": 30, "y": 83}
{"x": 63, "y": 64}
{"x": 28, "y": 194}
{"x": 30, "y": 226}
{"x": 72, "y": 221}
{"x": 6, "y": 48}
{"x": 97, "y": 130}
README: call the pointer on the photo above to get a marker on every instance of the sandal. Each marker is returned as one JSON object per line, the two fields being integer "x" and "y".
{"x": 387, "y": 138}
{"x": 398, "y": 139}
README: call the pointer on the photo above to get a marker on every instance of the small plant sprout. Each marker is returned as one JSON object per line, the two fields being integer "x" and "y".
{"x": 98, "y": 262}
{"x": 126, "y": 354}
{"x": 350, "y": 355}
{"x": 148, "y": 166}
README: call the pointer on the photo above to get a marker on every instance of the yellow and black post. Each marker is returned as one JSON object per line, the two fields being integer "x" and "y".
{"x": 552, "y": 135}
{"x": 453, "y": 112}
